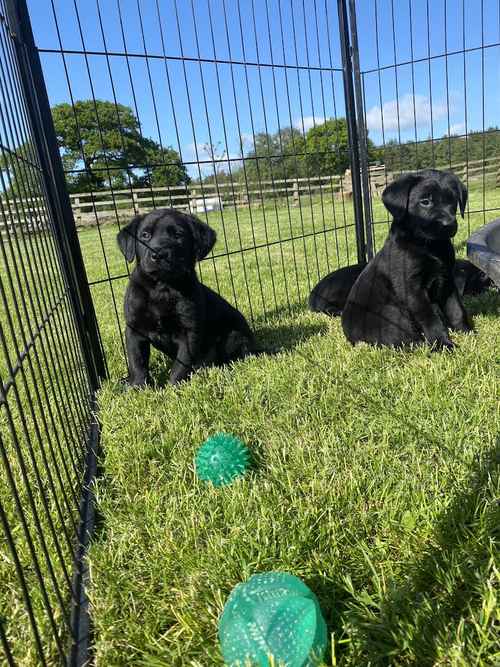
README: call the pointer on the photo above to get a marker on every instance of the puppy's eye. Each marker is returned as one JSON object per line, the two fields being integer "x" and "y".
{"x": 425, "y": 203}
{"x": 145, "y": 235}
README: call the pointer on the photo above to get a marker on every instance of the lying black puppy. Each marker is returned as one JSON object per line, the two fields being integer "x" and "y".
{"x": 329, "y": 296}
{"x": 407, "y": 293}
{"x": 165, "y": 304}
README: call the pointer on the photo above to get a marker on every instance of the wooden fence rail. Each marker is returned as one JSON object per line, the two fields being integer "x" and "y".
{"x": 103, "y": 206}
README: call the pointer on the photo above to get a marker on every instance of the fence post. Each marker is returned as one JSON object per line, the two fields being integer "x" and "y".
{"x": 40, "y": 119}
{"x": 363, "y": 134}
{"x": 77, "y": 210}
{"x": 350, "y": 107}
{"x": 135, "y": 202}
{"x": 296, "y": 193}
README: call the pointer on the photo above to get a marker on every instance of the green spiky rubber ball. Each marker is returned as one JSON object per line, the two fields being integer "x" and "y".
{"x": 272, "y": 614}
{"x": 221, "y": 459}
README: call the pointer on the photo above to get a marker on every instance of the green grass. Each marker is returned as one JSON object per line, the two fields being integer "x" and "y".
{"x": 375, "y": 476}
{"x": 375, "y": 480}
{"x": 375, "y": 473}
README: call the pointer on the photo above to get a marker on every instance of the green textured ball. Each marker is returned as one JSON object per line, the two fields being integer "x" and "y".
{"x": 221, "y": 459}
{"x": 272, "y": 614}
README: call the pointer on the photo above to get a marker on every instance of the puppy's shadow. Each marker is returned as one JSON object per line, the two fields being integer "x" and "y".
{"x": 271, "y": 339}
{"x": 487, "y": 304}
{"x": 283, "y": 337}
{"x": 160, "y": 369}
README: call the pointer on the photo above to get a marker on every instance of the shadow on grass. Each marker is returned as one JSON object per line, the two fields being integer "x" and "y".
{"x": 403, "y": 624}
{"x": 487, "y": 304}
{"x": 291, "y": 310}
{"x": 271, "y": 338}
{"x": 280, "y": 337}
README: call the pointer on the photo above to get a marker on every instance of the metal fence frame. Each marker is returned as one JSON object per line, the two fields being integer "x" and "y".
{"x": 62, "y": 353}
{"x": 54, "y": 219}
{"x": 73, "y": 637}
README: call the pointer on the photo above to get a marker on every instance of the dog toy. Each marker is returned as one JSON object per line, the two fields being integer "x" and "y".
{"x": 221, "y": 459}
{"x": 272, "y": 614}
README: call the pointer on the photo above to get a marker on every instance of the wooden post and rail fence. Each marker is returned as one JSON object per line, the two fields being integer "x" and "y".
{"x": 108, "y": 205}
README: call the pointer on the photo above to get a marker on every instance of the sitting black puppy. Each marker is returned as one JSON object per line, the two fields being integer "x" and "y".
{"x": 329, "y": 296}
{"x": 165, "y": 304}
{"x": 407, "y": 293}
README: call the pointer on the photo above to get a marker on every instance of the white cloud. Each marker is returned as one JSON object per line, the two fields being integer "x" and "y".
{"x": 457, "y": 128}
{"x": 246, "y": 139}
{"x": 200, "y": 153}
{"x": 307, "y": 122}
{"x": 406, "y": 114}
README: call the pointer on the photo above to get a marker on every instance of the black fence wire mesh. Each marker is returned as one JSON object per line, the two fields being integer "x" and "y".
{"x": 48, "y": 375}
{"x": 429, "y": 78}
{"x": 278, "y": 122}
{"x": 212, "y": 103}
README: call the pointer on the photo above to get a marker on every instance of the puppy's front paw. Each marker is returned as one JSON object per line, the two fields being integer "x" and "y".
{"x": 131, "y": 383}
{"x": 442, "y": 345}
{"x": 465, "y": 327}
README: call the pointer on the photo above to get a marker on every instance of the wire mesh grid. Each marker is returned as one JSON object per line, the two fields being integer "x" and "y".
{"x": 225, "y": 105}
{"x": 429, "y": 77}
{"x": 45, "y": 395}
{"x": 242, "y": 113}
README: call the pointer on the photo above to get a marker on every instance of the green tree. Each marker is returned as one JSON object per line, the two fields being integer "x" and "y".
{"x": 19, "y": 175}
{"x": 168, "y": 169}
{"x": 101, "y": 146}
{"x": 328, "y": 148}
{"x": 279, "y": 155}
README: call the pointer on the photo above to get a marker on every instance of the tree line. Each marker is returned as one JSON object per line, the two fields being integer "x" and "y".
{"x": 102, "y": 146}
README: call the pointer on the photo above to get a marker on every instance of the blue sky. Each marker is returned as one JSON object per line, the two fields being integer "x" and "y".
{"x": 220, "y": 103}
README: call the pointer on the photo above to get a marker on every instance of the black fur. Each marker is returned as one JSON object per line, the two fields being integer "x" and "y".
{"x": 407, "y": 294}
{"x": 165, "y": 304}
{"x": 329, "y": 296}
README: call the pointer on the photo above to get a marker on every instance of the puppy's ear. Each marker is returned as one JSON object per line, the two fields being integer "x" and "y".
{"x": 461, "y": 192}
{"x": 204, "y": 236}
{"x": 127, "y": 238}
{"x": 395, "y": 196}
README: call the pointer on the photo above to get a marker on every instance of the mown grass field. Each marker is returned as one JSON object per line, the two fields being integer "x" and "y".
{"x": 375, "y": 472}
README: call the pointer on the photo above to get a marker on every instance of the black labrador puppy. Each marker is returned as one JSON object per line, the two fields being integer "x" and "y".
{"x": 407, "y": 294}
{"x": 166, "y": 305}
{"x": 329, "y": 296}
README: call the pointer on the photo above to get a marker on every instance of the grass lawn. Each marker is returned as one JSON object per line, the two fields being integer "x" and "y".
{"x": 375, "y": 472}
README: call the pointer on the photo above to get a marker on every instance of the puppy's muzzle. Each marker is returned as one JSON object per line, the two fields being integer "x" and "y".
{"x": 449, "y": 225}
{"x": 159, "y": 256}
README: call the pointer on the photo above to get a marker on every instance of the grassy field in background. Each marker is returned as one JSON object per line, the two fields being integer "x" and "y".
{"x": 375, "y": 473}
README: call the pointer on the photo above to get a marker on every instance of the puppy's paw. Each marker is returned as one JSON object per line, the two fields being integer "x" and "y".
{"x": 128, "y": 383}
{"x": 267, "y": 349}
{"x": 465, "y": 329}
{"x": 443, "y": 345}
{"x": 468, "y": 327}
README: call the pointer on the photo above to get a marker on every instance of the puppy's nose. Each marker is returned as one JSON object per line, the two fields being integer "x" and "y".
{"x": 160, "y": 253}
{"x": 449, "y": 221}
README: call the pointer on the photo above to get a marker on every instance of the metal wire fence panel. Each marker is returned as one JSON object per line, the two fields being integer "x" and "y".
{"x": 236, "y": 110}
{"x": 46, "y": 385}
{"x": 429, "y": 78}
{"x": 278, "y": 122}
